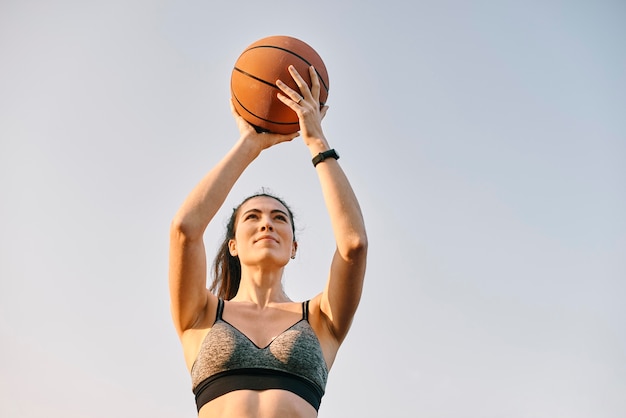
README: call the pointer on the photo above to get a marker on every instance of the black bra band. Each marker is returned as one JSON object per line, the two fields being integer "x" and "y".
{"x": 256, "y": 379}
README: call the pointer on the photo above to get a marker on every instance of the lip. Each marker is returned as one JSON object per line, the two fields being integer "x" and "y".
{"x": 266, "y": 237}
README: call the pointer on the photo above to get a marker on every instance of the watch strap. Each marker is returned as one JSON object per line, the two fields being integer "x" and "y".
{"x": 331, "y": 153}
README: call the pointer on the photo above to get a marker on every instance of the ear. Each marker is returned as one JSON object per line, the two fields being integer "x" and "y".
{"x": 294, "y": 248}
{"x": 232, "y": 247}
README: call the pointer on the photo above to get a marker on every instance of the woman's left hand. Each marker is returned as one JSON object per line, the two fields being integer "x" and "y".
{"x": 306, "y": 104}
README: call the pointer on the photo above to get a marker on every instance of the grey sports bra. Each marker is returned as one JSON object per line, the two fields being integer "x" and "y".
{"x": 228, "y": 360}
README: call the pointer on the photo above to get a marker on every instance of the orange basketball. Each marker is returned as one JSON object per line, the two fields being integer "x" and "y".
{"x": 253, "y": 81}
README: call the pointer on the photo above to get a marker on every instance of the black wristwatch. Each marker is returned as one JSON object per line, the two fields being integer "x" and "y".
{"x": 331, "y": 153}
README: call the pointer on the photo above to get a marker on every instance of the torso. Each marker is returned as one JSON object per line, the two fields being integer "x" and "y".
{"x": 260, "y": 327}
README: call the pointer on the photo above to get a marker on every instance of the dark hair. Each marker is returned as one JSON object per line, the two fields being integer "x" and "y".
{"x": 227, "y": 268}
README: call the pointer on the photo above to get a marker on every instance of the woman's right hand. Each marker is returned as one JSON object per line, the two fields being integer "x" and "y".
{"x": 263, "y": 140}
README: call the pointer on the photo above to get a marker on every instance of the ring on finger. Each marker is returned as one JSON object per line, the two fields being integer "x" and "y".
{"x": 299, "y": 100}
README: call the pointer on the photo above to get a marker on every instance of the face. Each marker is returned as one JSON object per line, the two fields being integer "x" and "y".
{"x": 263, "y": 233}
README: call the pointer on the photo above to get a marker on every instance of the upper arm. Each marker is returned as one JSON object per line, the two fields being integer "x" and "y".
{"x": 187, "y": 279}
{"x": 342, "y": 294}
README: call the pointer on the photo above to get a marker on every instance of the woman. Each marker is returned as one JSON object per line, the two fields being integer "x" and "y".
{"x": 253, "y": 352}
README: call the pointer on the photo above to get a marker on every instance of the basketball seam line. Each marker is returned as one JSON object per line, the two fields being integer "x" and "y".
{"x": 255, "y": 77}
{"x": 263, "y": 119}
{"x": 262, "y": 81}
{"x": 319, "y": 76}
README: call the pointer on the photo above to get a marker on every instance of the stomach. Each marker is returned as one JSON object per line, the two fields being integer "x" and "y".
{"x": 271, "y": 403}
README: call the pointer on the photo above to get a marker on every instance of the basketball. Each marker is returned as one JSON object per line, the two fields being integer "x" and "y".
{"x": 253, "y": 81}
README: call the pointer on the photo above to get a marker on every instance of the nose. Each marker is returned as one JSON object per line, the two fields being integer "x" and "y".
{"x": 267, "y": 225}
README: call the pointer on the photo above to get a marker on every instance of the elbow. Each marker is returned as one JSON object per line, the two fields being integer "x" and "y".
{"x": 184, "y": 229}
{"x": 356, "y": 247}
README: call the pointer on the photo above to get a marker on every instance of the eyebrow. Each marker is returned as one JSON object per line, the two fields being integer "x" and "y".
{"x": 272, "y": 212}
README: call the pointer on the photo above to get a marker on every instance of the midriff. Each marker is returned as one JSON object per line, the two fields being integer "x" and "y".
{"x": 272, "y": 403}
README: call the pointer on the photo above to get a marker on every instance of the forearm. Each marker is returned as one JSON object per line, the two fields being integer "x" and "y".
{"x": 207, "y": 197}
{"x": 341, "y": 202}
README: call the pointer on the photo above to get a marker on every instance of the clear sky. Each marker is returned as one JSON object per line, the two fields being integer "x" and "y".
{"x": 486, "y": 141}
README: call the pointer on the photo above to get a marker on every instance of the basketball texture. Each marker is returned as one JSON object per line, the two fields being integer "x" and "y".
{"x": 253, "y": 81}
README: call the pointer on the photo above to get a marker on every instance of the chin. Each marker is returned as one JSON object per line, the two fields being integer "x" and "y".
{"x": 267, "y": 260}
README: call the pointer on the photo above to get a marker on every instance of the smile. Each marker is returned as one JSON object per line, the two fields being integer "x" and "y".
{"x": 266, "y": 238}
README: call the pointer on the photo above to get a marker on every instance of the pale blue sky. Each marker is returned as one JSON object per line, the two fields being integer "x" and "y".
{"x": 486, "y": 141}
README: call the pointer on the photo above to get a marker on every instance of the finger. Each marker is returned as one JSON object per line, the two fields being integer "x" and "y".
{"x": 323, "y": 111}
{"x": 289, "y": 101}
{"x": 302, "y": 85}
{"x": 243, "y": 125}
{"x": 233, "y": 110}
{"x": 315, "y": 83}
{"x": 279, "y": 138}
{"x": 289, "y": 92}
{"x": 236, "y": 114}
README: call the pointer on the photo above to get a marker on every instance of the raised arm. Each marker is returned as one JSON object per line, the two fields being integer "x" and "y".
{"x": 339, "y": 300}
{"x": 188, "y": 265}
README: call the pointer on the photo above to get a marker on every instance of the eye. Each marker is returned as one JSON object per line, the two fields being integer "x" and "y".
{"x": 251, "y": 215}
{"x": 282, "y": 218}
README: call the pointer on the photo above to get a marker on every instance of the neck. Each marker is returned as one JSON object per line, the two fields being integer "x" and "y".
{"x": 260, "y": 287}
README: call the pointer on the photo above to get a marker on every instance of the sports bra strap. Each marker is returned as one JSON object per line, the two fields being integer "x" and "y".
{"x": 220, "y": 309}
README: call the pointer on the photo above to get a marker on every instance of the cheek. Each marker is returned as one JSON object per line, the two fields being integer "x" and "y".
{"x": 241, "y": 229}
{"x": 288, "y": 234}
